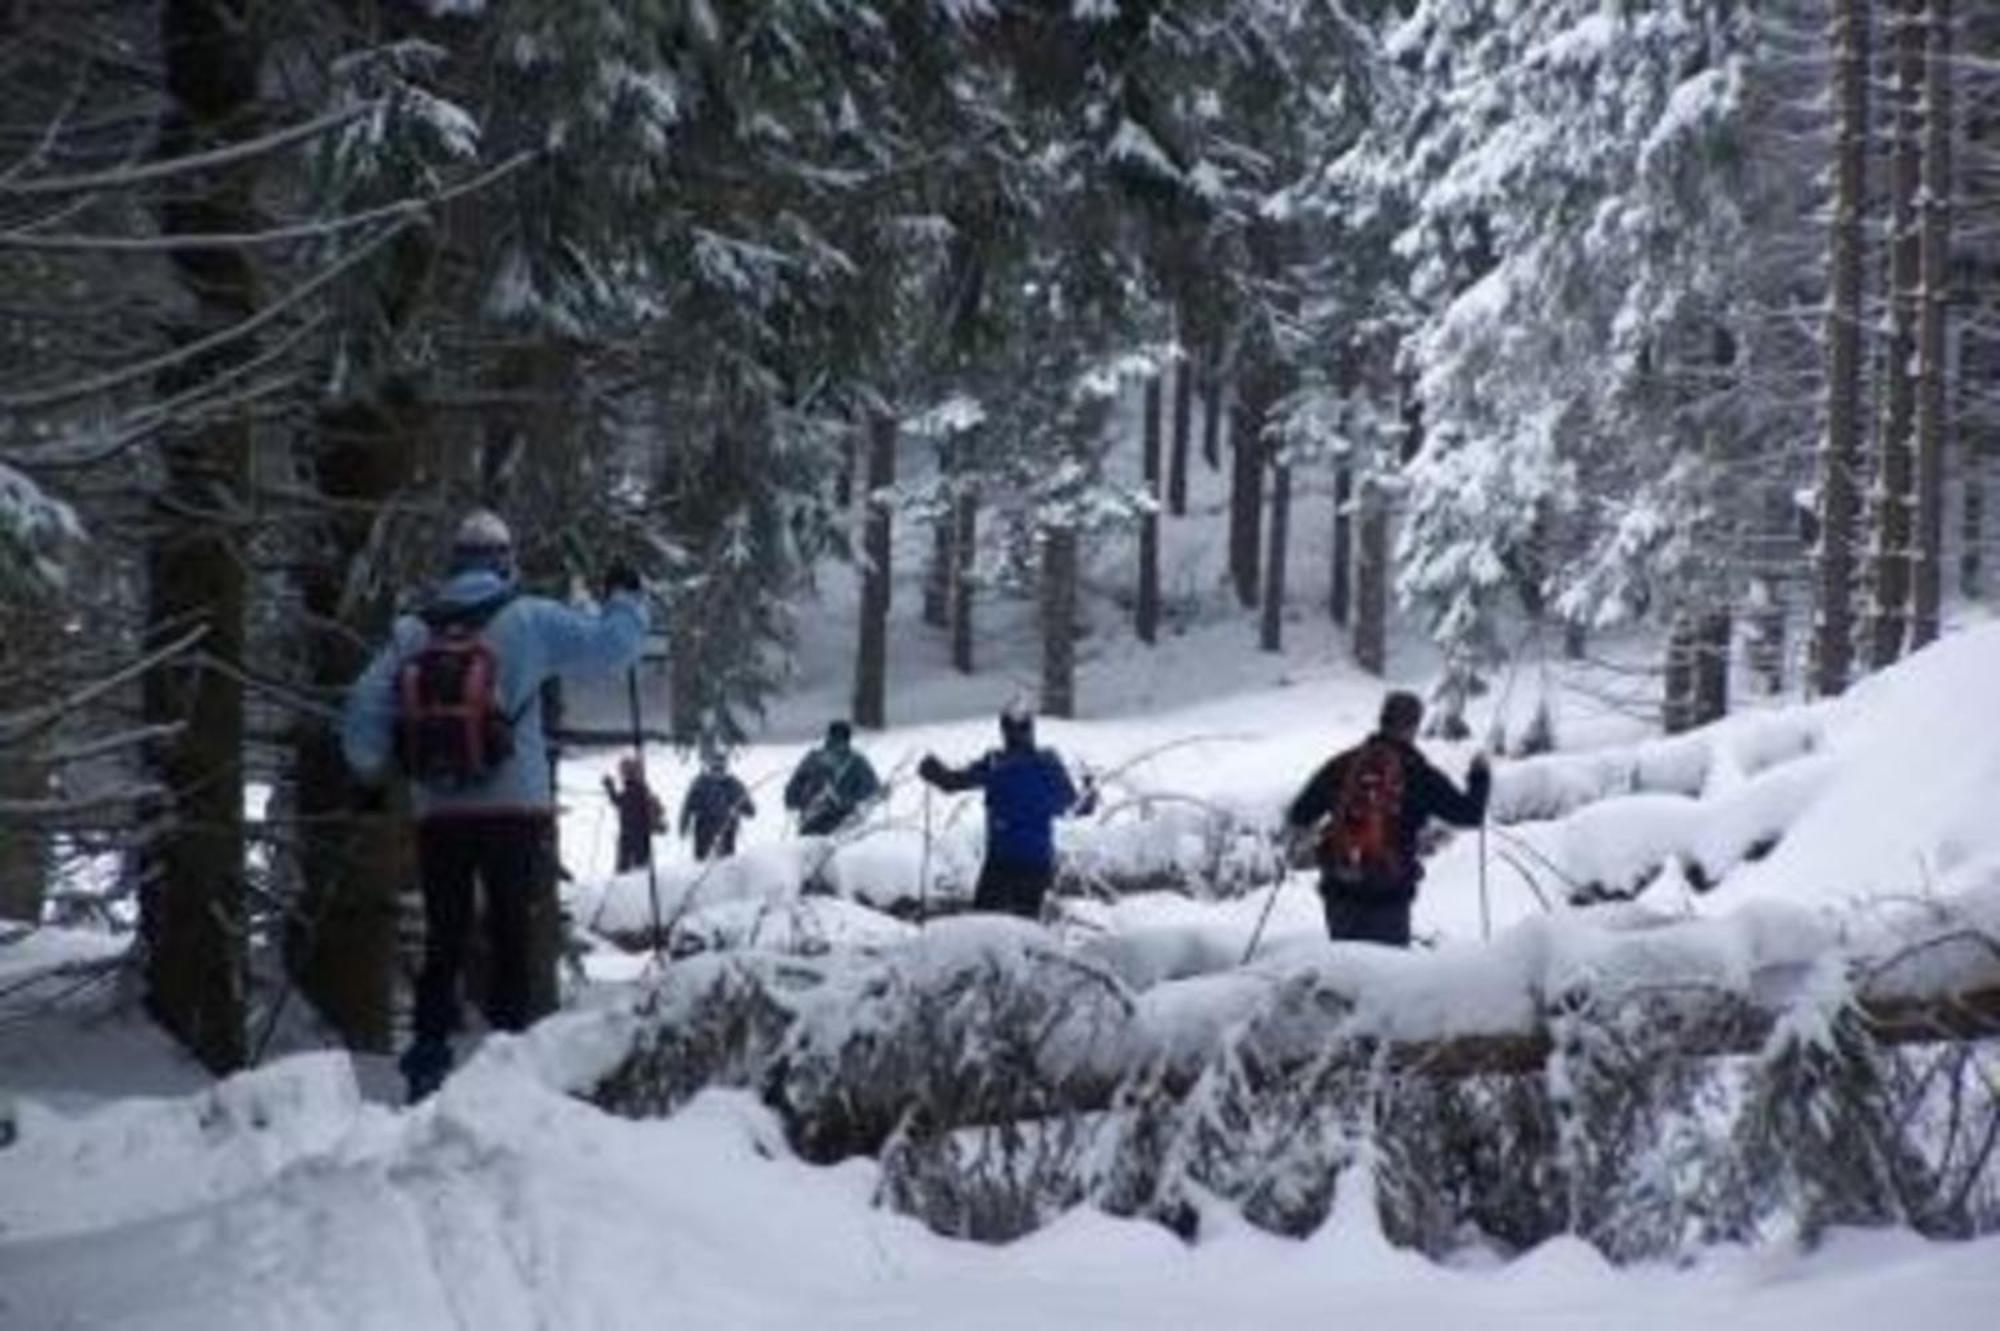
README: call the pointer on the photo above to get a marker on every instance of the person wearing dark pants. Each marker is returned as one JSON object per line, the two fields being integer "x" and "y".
{"x": 640, "y": 814}
{"x": 716, "y": 804}
{"x": 1371, "y": 803}
{"x": 453, "y": 701}
{"x": 1026, "y": 790}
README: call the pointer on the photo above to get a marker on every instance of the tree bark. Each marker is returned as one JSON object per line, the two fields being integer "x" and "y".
{"x": 1934, "y": 292}
{"x": 1059, "y": 626}
{"x": 937, "y": 572}
{"x": 1182, "y": 439}
{"x": 192, "y": 895}
{"x": 871, "y": 669}
{"x": 964, "y": 547}
{"x": 1974, "y": 353}
{"x": 1146, "y": 615}
{"x": 1211, "y": 409}
{"x": 1890, "y": 537}
{"x": 1340, "y": 585}
{"x": 1371, "y": 581}
{"x": 340, "y": 938}
{"x": 1677, "y": 674}
{"x": 1713, "y": 631}
{"x": 1246, "y": 489}
{"x": 1840, "y": 445}
{"x": 1272, "y": 631}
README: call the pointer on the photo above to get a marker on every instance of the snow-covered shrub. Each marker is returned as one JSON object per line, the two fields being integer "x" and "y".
{"x": 714, "y": 1025}
{"x": 982, "y": 1019}
{"x": 1821, "y": 1141}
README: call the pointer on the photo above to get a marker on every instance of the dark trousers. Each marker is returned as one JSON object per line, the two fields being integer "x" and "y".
{"x": 1366, "y": 919}
{"x": 714, "y": 841}
{"x": 506, "y": 857}
{"x": 633, "y": 853}
{"x": 1013, "y": 889}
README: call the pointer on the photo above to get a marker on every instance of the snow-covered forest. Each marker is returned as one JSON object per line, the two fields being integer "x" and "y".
{"x": 1622, "y": 376}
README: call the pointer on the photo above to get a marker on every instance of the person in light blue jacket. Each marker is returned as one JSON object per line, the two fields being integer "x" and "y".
{"x": 453, "y": 701}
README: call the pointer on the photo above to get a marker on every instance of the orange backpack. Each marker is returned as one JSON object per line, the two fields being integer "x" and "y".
{"x": 1359, "y": 846}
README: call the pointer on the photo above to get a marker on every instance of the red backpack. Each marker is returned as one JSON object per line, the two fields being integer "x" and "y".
{"x": 452, "y": 728}
{"x": 1360, "y": 846}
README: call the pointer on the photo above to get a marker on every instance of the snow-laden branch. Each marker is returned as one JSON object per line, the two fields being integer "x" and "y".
{"x": 29, "y": 238}
{"x": 165, "y": 168}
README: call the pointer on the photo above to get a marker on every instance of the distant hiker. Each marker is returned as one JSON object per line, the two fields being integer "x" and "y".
{"x": 640, "y": 814}
{"x": 452, "y": 699}
{"x": 1027, "y": 789}
{"x": 715, "y": 804}
{"x": 831, "y": 783}
{"x": 1375, "y": 799}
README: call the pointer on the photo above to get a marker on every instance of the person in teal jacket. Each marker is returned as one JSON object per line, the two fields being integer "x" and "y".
{"x": 494, "y": 828}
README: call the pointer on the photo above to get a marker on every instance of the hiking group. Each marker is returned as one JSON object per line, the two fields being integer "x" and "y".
{"x": 453, "y": 701}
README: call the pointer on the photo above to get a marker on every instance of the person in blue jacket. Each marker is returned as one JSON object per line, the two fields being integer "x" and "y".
{"x": 717, "y": 802}
{"x": 1026, "y": 789}
{"x": 492, "y": 823}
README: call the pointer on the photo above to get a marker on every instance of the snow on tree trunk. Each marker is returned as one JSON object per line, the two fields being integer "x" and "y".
{"x": 1182, "y": 439}
{"x": 1271, "y": 632}
{"x": 1889, "y": 553}
{"x": 1340, "y": 581}
{"x": 1146, "y": 613}
{"x": 1059, "y": 626}
{"x": 193, "y": 896}
{"x": 1934, "y": 292}
{"x": 1677, "y": 706}
{"x": 1713, "y": 630}
{"x": 1840, "y": 445}
{"x": 964, "y": 546}
{"x": 871, "y": 666}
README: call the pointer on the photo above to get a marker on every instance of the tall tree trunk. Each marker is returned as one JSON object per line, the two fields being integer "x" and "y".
{"x": 192, "y": 898}
{"x": 1212, "y": 395}
{"x": 1890, "y": 536}
{"x": 1182, "y": 440}
{"x": 937, "y": 571}
{"x": 1933, "y": 295}
{"x": 1840, "y": 447}
{"x": 340, "y": 937}
{"x": 1371, "y": 580}
{"x": 1677, "y": 702}
{"x": 1974, "y": 354}
{"x": 1146, "y": 616}
{"x": 1712, "y": 633}
{"x": 871, "y": 668}
{"x": 1246, "y": 488}
{"x": 1340, "y": 585}
{"x": 964, "y": 547}
{"x": 24, "y": 850}
{"x": 1272, "y": 631}
{"x": 1059, "y": 625}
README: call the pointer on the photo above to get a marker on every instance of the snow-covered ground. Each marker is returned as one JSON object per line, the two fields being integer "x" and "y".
{"x": 288, "y": 1198}
{"x": 283, "y": 1199}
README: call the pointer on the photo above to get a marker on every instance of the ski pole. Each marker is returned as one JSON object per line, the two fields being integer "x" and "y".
{"x": 1485, "y": 906}
{"x": 652, "y": 870}
{"x": 1257, "y": 934}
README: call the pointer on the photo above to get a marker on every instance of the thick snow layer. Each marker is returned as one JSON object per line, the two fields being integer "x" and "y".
{"x": 282, "y": 1200}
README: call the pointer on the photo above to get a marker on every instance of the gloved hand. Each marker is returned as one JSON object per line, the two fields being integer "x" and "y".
{"x": 620, "y": 576}
{"x": 930, "y": 769}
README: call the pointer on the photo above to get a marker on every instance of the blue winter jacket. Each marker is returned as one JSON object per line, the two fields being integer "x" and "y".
{"x": 1027, "y": 789}
{"x": 534, "y": 638}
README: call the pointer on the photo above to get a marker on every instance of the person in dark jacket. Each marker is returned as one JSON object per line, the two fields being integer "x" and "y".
{"x": 1026, "y": 790}
{"x": 715, "y": 804}
{"x": 1376, "y": 908}
{"x": 491, "y": 832}
{"x": 640, "y": 814}
{"x": 831, "y": 783}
